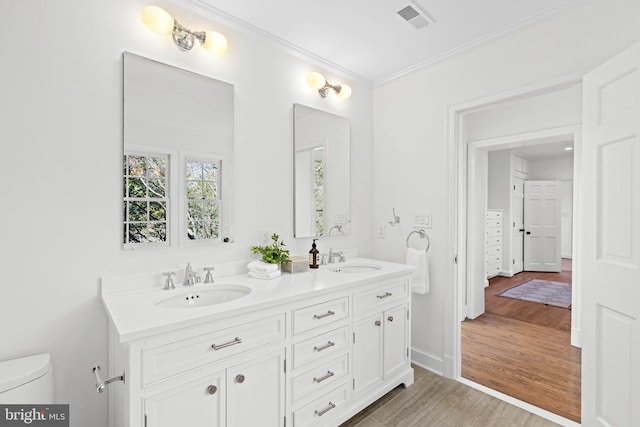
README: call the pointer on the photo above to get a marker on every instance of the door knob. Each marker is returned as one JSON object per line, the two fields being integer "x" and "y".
{"x": 528, "y": 232}
{"x": 390, "y": 318}
{"x": 378, "y": 323}
{"x": 212, "y": 389}
{"x": 522, "y": 229}
{"x": 240, "y": 378}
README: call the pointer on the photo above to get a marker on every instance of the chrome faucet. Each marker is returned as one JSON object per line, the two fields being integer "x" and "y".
{"x": 337, "y": 227}
{"x": 208, "y": 278}
{"x": 332, "y": 256}
{"x": 190, "y": 276}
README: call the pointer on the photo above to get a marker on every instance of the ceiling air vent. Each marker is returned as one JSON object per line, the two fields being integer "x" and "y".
{"x": 417, "y": 18}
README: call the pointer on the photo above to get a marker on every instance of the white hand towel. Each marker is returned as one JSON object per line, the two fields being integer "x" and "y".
{"x": 420, "y": 278}
{"x": 262, "y": 267}
{"x": 269, "y": 275}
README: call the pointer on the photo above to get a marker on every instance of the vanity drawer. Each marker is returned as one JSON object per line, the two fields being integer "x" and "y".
{"x": 494, "y": 241}
{"x": 493, "y": 269}
{"x": 494, "y": 231}
{"x": 320, "y": 346}
{"x": 381, "y": 295}
{"x": 494, "y": 215}
{"x": 323, "y": 410}
{"x": 493, "y": 250}
{"x": 314, "y": 316}
{"x": 170, "y": 359}
{"x": 320, "y": 377}
{"x": 494, "y": 223}
{"x": 494, "y": 259}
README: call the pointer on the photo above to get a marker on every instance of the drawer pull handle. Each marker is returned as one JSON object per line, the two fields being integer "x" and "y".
{"x": 386, "y": 295}
{"x": 240, "y": 378}
{"x": 324, "y": 347}
{"x": 325, "y": 410}
{"x": 212, "y": 389}
{"x": 390, "y": 318}
{"x": 378, "y": 323}
{"x": 322, "y": 316}
{"x": 326, "y": 376}
{"x": 235, "y": 341}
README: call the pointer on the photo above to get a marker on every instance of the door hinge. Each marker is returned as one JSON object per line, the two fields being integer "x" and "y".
{"x": 354, "y": 337}
{"x": 284, "y": 423}
{"x": 145, "y": 420}
{"x": 514, "y": 186}
{"x": 513, "y": 261}
{"x": 285, "y": 366}
{"x": 455, "y": 259}
{"x": 408, "y": 314}
{"x": 353, "y": 384}
{"x": 407, "y": 352}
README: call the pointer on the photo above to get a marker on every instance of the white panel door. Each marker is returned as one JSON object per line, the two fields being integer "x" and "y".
{"x": 542, "y": 224}
{"x": 610, "y": 248}
{"x": 517, "y": 224}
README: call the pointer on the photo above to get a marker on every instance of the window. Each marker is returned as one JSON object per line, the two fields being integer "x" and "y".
{"x": 203, "y": 199}
{"x": 318, "y": 194}
{"x": 145, "y": 199}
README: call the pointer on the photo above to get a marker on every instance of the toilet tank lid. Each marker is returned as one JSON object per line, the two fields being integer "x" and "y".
{"x": 16, "y": 372}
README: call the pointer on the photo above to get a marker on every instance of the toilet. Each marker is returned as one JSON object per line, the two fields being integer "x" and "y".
{"x": 27, "y": 380}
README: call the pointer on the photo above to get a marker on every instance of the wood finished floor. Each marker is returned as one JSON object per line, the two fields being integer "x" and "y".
{"x": 437, "y": 401}
{"x": 523, "y": 349}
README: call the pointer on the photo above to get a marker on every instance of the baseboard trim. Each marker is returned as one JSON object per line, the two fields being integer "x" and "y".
{"x": 428, "y": 361}
{"x": 576, "y": 337}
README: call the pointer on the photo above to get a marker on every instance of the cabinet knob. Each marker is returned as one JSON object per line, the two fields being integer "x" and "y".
{"x": 240, "y": 378}
{"x": 390, "y": 318}
{"x": 212, "y": 389}
{"x": 378, "y": 323}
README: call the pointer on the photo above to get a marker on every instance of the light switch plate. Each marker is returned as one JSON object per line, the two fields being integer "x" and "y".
{"x": 422, "y": 220}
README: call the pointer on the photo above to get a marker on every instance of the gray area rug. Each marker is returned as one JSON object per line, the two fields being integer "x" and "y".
{"x": 541, "y": 291}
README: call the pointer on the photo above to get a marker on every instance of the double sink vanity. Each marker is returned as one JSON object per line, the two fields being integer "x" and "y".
{"x": 304, "y": 349}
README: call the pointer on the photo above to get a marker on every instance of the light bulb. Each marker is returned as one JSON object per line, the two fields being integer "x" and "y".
{"x": 215, "y": 43}
{"x": 157, "y": 20}
{"x": 345, "y": 92}
{"x": 315, "y": 80}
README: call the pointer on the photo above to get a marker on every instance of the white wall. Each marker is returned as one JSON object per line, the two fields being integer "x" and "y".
{"x": 412, "y": 164}
{"x": 60, "y": 170}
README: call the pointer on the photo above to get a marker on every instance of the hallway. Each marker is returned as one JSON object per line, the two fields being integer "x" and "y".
{"x": 523, "y": 349}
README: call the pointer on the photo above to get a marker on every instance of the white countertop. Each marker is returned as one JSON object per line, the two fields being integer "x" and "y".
{"x": 134, "y": 314}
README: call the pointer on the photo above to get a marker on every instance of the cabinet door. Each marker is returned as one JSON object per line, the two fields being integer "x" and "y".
{"x": 395, "y": 340}
{"x": 197, "y": 403}
{"x": 367, "y": 352}
{"x": 255, "y": 392}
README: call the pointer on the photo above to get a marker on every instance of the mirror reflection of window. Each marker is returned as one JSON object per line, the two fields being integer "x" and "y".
{"x": 145, "y": 199}
{"x": 203, "y": 199}
{"x": 318, "y": 189}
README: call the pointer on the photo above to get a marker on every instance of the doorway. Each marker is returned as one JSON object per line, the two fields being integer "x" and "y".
{"x": 469, "y": 227}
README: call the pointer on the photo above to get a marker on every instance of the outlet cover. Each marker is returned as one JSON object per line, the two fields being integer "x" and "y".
{"x": 264, "y": 236}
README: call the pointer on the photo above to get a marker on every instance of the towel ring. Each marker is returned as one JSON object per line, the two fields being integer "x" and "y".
{"x": 423, "y": 234}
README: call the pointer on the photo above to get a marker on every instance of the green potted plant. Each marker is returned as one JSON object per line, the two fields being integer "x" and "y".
{"x": 275, "y": 253}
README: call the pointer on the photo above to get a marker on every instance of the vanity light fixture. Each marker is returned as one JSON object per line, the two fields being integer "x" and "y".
{"x": 160, "y": 21}
{"x": 317, "y": 81}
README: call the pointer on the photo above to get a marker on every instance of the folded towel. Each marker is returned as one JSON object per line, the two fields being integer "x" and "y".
{"x": 262, "y": 267}
{"x": 420, "y": 278}
{"x": 270, "y": 275}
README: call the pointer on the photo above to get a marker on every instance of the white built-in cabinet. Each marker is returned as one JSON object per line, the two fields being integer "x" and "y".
{"x": 308, "y": 362}
{"x": 493, "y": 242}
{"x": 507, "y": 173}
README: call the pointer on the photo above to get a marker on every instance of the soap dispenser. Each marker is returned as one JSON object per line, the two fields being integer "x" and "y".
{"x": 313, "y": 255}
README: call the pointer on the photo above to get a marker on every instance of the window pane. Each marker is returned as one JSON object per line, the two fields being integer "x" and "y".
{"x": 137, "y": 211}
{"x": 194, "y": 170}
{"x": 209, "y": 190}
{"x": 158, "y": 232}
{"x": 157, "y": 211}
{"x": 156, "y": 167}
{"x": 157, "y": 188}
{"x": 137, "y": 166}
{"x": 209, "y": 171}
{"x": 136, "y": 187}
{"x": 194, "y": 190}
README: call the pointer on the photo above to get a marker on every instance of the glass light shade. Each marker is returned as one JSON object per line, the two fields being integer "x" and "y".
{"x": 215, "y": 43}
{"x": 345, "y": 92}
{"x": 157, "y": 20}
{"x": 315, "y": 80}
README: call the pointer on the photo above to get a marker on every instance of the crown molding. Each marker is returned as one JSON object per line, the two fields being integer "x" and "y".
{"x": 505, "y": 31}
{"x": 205, "y": 9}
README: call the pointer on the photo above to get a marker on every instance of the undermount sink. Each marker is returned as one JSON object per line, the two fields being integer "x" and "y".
{"x": 355, "y": 268}
{"x": 204, "y": 297}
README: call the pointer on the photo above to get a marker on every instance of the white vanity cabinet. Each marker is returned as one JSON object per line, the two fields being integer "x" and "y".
{"x": 310, "y": 357}
{"x": 380, "y": 335}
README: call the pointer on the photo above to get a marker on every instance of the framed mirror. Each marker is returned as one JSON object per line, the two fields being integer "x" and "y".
{"x": 321, "y": 157}
{"x": 178, "y": 153}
